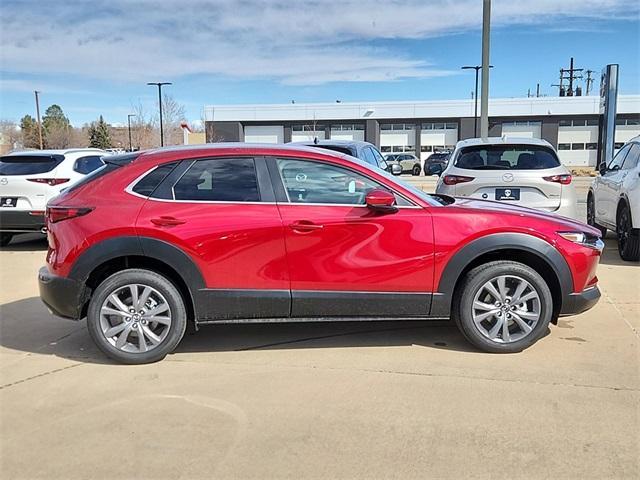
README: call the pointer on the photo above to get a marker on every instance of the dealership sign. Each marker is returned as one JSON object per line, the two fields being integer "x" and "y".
{"x": 607, "y": 124}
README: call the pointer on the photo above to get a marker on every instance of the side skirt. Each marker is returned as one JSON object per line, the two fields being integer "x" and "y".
{"x": 317, "y": 319}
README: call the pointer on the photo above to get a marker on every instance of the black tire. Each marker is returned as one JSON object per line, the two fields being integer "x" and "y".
{"x": 462, "y": 308}
{"x": 415, "y": 171}
{"x": 145, "y": 278}
{"x": 591, "y": 216}
{"x": 628, "y": 237}
{"x": 5, "y": 239}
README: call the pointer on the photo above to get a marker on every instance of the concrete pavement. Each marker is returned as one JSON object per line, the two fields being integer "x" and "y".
{"x": 350, "y": 400}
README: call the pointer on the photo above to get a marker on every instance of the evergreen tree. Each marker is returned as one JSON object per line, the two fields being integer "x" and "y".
{"x": 56, "y": 127}
{"x": 29, "y": 129}
{"x": 99, "y": 136}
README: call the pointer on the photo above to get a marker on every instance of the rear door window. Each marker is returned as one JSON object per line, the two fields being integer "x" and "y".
{"x": 507, "y": 157}
{"x": 28, "y": 164}
{"x": 219, "y": 180}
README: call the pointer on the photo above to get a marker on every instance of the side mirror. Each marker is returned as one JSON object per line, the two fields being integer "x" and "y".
{"x": 602, "y": 168}
{"x": 381, "y": 200}
{"x": 396, "y": 169}
{"x": 434, "y": 169}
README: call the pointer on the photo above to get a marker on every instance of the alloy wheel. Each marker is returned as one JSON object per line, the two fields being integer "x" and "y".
{"x": 591, "y": 214}
{"x": 624, "y": 228}
{"x": 506, "y": 309}
{"x": 135, "y": 318}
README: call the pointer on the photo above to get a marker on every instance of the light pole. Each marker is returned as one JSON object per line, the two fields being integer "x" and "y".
{"x": 129, "y": 123}
{"x": 486, "y": 36}
{"x": 38, "y": 115}
{"x": 159, "y": 85}
{"x": 477, "y": 68}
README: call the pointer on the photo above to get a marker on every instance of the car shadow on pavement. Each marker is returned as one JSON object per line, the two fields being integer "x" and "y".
{"x": 27, "y": 242}
{"x": 610, "y": 255}
{"x": 27, "y": 326}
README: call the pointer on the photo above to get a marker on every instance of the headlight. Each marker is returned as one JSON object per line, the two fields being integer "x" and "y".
{"x": 584, "y": 239}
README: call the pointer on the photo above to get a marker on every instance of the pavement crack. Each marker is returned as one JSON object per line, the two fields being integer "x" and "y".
{"x": 615, "y": 306}
{"x": 33, "y": 377}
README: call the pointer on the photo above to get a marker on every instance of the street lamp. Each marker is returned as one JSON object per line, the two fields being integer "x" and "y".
{"x": 129, "y": 123}
{"x": 159, "y": 85}
{"x": 477, "y": 68}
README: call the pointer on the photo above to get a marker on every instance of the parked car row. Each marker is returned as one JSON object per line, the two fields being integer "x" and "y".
{"x": 233, "y": 233}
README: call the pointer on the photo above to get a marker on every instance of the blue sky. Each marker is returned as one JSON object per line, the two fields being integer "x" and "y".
{"x": 95, "y": 57}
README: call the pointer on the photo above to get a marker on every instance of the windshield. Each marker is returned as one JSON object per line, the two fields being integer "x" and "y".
{"x": 507, "y": 157}
{"x": 28, "y": 164}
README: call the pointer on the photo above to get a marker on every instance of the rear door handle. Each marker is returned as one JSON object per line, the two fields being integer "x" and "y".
{"x": 165, "y": 221}
{"x": 305, "y": 226}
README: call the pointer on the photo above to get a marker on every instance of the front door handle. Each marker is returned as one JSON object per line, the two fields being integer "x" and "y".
{"x": 166, "y": 221}
{"x": 305, "y": 226}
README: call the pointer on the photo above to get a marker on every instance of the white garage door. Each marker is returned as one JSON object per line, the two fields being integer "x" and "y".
{"x": 264, "y": 134}
{"x": 522, "y": 129}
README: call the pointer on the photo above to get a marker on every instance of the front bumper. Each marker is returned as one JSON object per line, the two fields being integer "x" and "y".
{"x": 20, "y": 221}
{"x": 65, "y": 297}
{"x": 576, "y": 303}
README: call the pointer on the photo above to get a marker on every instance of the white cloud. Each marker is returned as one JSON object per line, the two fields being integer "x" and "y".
{"x": 295, "y": 43}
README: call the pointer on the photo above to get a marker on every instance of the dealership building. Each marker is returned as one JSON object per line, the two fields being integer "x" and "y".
{"x": 569, "y": 123}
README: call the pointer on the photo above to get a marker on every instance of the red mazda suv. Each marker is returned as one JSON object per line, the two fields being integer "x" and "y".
{"x": 153, "y": 241}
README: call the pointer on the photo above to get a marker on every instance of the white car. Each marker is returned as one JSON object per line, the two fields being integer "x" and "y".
{"x": 29, "y": 179}
{"x": 613, "y": 201}
{"x": 408, "y": 162}
{"x": 521, "y": 171}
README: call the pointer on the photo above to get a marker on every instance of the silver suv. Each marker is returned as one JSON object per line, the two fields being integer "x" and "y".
{"x": 522, "y": 171}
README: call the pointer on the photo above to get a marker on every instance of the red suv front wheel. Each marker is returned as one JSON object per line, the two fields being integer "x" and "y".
{"x": 503, "y": 307}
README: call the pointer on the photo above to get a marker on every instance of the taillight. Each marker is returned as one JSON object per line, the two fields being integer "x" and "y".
{"x": 49, "y": 181}
{"x": 455, "y": 179}
{"x": 57, "y": 214}
{"x": 561, "y": 179}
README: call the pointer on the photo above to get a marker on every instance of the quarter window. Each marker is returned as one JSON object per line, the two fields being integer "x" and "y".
{"x": 618, "y": 158}
{"x": 219, "y": 180}
{"x": 151, "y": 180}
{"x": 314, "y": 182}
{"x": 632, "y": 158}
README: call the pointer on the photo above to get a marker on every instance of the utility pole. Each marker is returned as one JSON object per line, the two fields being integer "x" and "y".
{"x": 129, "y": 123}
{"x": 159, "y": 85}
{"x": 589, "y": 81}
{"x": 537, "y": 90}
{"x": 38, "y": 115}
{"x": 477, "y": 68}
{"x": 486, "y": 34}
{"x": 570, "y": 74}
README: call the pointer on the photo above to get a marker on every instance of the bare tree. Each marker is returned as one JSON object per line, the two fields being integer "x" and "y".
{"x": 143, "y": 128}
{"x": 59, "y": 136}
{"x": 10, "y": 136}
{"x": 173, "y": 113}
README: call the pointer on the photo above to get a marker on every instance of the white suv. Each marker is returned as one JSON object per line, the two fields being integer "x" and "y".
{"x": 29, "y": 179}
{"x": 613, "y": 201}
{"x": 522, "y": 171}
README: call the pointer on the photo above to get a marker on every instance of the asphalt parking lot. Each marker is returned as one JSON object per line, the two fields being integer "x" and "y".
{"x": 347, "y": 400}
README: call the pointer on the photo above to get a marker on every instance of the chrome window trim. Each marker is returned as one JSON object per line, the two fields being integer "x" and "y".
{"x": 413, "y": 205}
{"x": 129, "y": 189}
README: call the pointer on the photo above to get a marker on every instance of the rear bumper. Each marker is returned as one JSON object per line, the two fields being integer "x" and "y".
{"x": 576, "y": 303}
{"x": 20, "y": 221}
{"x": 63, "y": 296}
